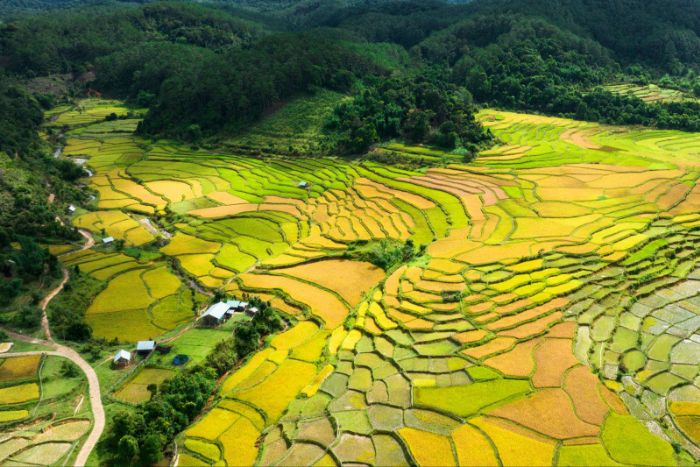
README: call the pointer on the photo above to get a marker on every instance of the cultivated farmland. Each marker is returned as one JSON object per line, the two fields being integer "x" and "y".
{"x": 44, "y": 416}
{"x": 552, "y": 319}
{"x": 650, "y": 92}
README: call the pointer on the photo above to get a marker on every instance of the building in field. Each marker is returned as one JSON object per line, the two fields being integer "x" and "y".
{"x": 108, "y": 240}
{"x": 71, "y": 209}
{"x": 217, "y": 314}
{"x": 145, "y": 347}
{"x": 303, "y": 184}
{"x": 237, "y": 305}
{"x": 122, "y": 359}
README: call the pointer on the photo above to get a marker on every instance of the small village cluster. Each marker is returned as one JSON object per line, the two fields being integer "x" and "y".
{"x": 215, "y": 315}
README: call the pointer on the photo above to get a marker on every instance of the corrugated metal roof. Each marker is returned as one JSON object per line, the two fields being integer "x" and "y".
{"x": 122, "y": 354}
{"x": 217, "y": 310}
{"x": 145, "y": 345}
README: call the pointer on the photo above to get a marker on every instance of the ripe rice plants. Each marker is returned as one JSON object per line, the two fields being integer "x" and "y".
{"x": 570, "y": 248}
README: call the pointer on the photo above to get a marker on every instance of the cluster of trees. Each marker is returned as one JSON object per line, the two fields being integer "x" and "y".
{"x": 66, "y": 312}
{"x": 662, "y": 33}
{"x": 18, "y": 267}
{"x": 14, "y": 8}
{"x": 421, "y": 109}
{"x": 25, "y": 168}
{"x": 23, "y": 206}
{"x": 25, "y": 216}
{"x": 204, "y": 70}
{"x": 385, "y": 253}
{"x": 139, "y": 437}
{"x": 20, "y": 117}
{"x": 200, "y": 70}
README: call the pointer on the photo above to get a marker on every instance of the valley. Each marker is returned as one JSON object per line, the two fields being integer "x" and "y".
{"x": 552, "y": 314}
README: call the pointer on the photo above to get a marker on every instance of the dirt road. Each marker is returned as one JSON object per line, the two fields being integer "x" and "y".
{"x": 89, "y": 240}
{"x": 98, "y": 413}
{"x": 44, "y": 303}
{"x": 89, "y": 243}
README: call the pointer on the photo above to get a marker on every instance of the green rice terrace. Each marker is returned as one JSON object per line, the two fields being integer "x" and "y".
{"x": 650, "y": 92}
{"x": 551, "y": 319}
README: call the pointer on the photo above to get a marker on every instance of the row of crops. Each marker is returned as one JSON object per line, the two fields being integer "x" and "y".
{"x": 552, "y": 320}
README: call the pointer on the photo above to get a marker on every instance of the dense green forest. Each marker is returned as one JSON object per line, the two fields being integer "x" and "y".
{"x": 209, "y": 69}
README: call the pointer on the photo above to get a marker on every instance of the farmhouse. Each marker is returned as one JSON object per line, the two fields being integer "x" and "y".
{"x": 217, "y": 314}
{"x": 303, "y": 184}
{"x": 145, "y": 347}
{"x": 71, "y": 209}
{"x": 237, "y": 305}
{"x": 107, "y": 240}
{"x": 122, "y": 359}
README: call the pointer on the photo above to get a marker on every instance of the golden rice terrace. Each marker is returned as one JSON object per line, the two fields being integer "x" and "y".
{"x": 553, "y": 319}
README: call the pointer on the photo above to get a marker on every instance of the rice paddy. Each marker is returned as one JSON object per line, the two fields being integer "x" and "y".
{"x": 650, "y": 92}
{"x": 43, "y": 419}
{"x": 135, "y": 390}
{"x": 553, "y": 317}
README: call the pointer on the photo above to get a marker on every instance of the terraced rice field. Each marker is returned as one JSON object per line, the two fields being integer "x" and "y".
{"x": 650, "y": 92}
{"x": 43, "y": 415}
{"x": 553, "y": 319}
{"x": 142, "y": 299}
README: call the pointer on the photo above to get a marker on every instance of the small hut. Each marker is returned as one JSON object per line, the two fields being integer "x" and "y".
{"x": 145, "y": 347}
{"x": 122, "y": 359}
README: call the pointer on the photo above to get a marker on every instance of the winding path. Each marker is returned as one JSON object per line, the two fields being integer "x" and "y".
{"x": 89, "y": 240}
{"x": 45, "y": 302}
{"x": 98, "y": 413}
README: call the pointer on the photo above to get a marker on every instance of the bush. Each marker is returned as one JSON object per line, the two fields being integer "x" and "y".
{"x": 69, "y": 370}
{"x": 385, "y": 253}
{"x": 9, "y": 289}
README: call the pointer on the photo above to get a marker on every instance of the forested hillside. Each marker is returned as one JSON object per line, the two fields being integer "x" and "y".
{"x": 661, "y": 33}
{"x": 228, "y": 63}
{"x": 29, "y": 178}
